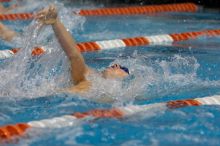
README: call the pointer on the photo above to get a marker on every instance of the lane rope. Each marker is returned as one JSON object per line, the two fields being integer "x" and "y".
{"x": 16, "y": 16}
{"x": 2, "y": 1}
{"x": 134, "y": 10}
{"x": 8, "y": 132}
{"x": 183, "y": 7}
{"x": 126, "y": 42}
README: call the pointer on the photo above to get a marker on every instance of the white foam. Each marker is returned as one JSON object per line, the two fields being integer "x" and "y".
{"x": 26, "y": 76}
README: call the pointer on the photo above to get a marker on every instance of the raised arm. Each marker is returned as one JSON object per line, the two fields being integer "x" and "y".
{"x": 78, "y": 66}
{"x": 6, "y": 33}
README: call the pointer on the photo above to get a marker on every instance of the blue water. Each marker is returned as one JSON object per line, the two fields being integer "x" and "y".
{"x": 161, "y": 73}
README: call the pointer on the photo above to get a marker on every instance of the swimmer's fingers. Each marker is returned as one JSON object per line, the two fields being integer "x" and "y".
{"x": 52, "y": 12}
{"x": 40, "y": 17}
{"x": 41, "y": 20}
{"x": 43, "y": 11}
{"x": 52, "y": 9}
{"x": 40, "y": 14}
{"x": 47, "y": 11}
{"x": 47, "y": 16}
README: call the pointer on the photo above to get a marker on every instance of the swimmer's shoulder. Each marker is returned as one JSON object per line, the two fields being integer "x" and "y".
{"x": 82, "y": 87}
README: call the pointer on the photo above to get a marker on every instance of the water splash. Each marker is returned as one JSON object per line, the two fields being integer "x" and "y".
{"x": 148, "y": 78}
{"x": 27, "y": 76}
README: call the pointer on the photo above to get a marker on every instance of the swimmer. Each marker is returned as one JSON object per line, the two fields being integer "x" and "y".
{"x": 79, "y": 70}
{"x": 6, "y": 33}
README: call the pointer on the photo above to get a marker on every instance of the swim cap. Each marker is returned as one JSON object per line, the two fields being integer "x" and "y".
{"x": 124, "y": 69}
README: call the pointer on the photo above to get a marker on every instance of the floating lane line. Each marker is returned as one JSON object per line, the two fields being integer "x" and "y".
{"x": 8, "y": 53}
{"x": 3, "y": 1}
{"x": 126, "y": 42}
{"x": 8, "y": 132}
{"x": 16, "y": 16}
{"x": 183, "y": 7}
{"x": 134, "y": 10}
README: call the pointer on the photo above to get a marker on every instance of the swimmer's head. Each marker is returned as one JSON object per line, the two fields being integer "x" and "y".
{"x": 115, "y": 71}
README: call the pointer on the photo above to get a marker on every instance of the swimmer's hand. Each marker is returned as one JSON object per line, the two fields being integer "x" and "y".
{"x": 47, "y": 16}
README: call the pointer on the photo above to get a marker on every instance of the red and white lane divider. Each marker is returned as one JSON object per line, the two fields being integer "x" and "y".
{"x": 183, "y": 7}
{"x": 8, "y": 53}
{"x": 8, "y": 132}
{"x": 127, "y": 42}
{"x": 2, "y": 1}
{"x": 16, "y": 16}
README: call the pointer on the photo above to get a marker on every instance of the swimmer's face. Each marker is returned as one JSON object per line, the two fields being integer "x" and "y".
{"x": 115, "y": 71}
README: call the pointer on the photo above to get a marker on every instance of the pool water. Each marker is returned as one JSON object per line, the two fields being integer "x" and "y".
{"x": 159, "y": 73}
